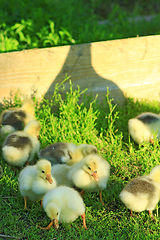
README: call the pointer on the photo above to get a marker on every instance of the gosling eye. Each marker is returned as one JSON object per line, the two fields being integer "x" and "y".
{"x": 89, "y": 167}
{"x": 43, "y": 171}
{"x": 57, "y": 213}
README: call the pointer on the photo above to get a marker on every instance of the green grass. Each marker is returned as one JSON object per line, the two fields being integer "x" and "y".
{"x": 38, "y": 24}
{"x": 65, "y": 118}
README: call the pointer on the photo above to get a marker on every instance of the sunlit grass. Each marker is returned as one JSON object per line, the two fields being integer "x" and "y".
{"x": 66, "y": 118}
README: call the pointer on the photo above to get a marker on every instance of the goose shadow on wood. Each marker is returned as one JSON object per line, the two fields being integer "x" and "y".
{"x": 78, "y": 66}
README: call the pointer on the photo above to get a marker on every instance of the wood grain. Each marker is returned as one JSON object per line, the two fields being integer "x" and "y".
{"x": 127, "y": 67}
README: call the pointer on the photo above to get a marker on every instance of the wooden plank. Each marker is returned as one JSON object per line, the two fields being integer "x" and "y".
{"x": 130, "y": 66}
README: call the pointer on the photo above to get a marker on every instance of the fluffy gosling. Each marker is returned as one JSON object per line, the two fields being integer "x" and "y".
{"x": 15, "y": 119}
{"x": 63, "y": 204}
{"x": 68, "y": 153}
{"x": 35, "y": 181}
{"x": 90, "y": 174}
{"x": 21, "y": 146}
{"x": 60, "y": 173}
{"x": 144, "y": 127}
{"x": 142, "y": 193}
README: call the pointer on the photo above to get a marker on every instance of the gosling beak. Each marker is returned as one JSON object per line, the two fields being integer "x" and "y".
{"x": 49, "y": 178}
{"x": 95, "y": 176}
{"x": 55, "y": 221}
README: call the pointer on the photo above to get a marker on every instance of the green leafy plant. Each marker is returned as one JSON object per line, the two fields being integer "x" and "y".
{"x": 52, "y": 38}
{"x": 38, "y": 24}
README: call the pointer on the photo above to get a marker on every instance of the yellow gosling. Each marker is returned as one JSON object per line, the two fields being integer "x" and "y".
{"x": 15, "y": 119}
{"x": 68, "y": 153}
{"x": 90, "y": 174}
{"x": 63, "y": 204}
{"x": 35, "y": 181}
{"x": 142, "y": 193}
{"x": 21, "y": 146}
{"x": 143, "y": 127}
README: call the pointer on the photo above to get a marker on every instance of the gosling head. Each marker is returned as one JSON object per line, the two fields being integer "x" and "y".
{"x": 33, "y": 128}
{"x": 155, "y": 173}
{"x": 28, "y": 106}
{"x": 87, "y": 149}
{"x": 43, "y": 168}
{"x": 53, "y": 212}
{"x": 90, "y": 166}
